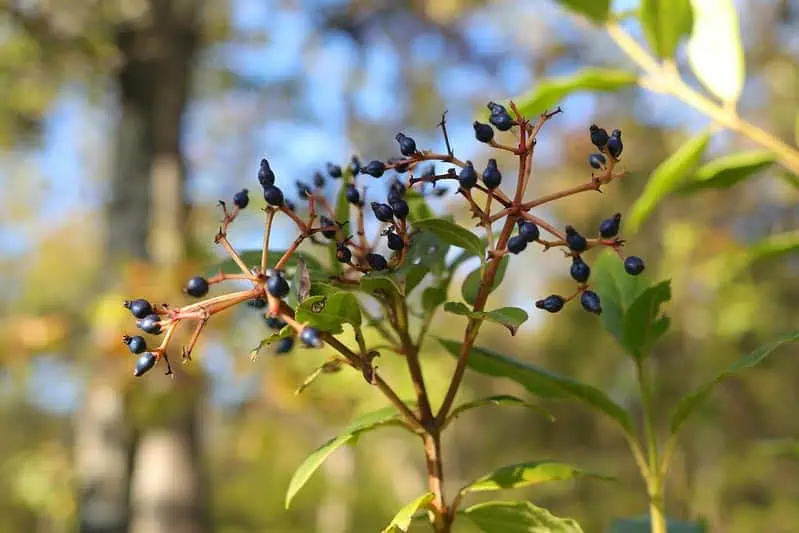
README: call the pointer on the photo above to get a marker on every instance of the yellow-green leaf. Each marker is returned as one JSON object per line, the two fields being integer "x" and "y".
{"x": 518, "y": 517}
{"x": 402, "y": 520}
{"x": 665, "y": 22}
{"x": 714, "y": 49}
{"x": 595, "y": 10}
{"x": 728, "y": 170}
{"x": 526, "y": 474}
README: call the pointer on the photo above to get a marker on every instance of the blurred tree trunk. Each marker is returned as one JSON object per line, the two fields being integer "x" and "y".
{"x": 150, "y": 482}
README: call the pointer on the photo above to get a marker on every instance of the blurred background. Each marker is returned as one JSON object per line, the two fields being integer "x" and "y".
{"x": 122, "y": 122}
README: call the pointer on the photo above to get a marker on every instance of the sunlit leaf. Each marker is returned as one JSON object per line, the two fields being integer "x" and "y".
{"x": 715, "y": 52}
{"x": 595, "y": 10}
{"x": 526, "y": 474}
{"x": 499, "y": 400}
{"x": 691, "y": 402}
{"x": 728, "y": 170}
{"x": 518, "y": 517}
{"x": 328, "y": 313}
{"x": 550, "y": 92}
{"x": 541, "y": 382}
{"x": 668, "y": 176}
{"x": 642, "y": 524}
{"x": 510, "y": 317}
{"x": 402, "y": 520}
{"x": 471, "y": 284}
{"x": 665, "y": 22}
{"x": 453, "y": 234}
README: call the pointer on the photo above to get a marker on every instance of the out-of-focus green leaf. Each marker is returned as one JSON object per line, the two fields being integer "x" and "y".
{"x": 728, "y": 170}
{"x": 510, "y": 317}
{"x": 689, "y": 403}
{"x": 641, "y": 524}
{"x": 541, "y": 382}
{"x": 402, "y": 520}
{"x": 286, "y": 331}
{"x": 768, "y": 248}
{"x": 432, "y": 297}
{"x": 253, "y": 258}
{"x": 453, "y": 234}
{"x": 665, "y": 22}
{"x": 668, "y": 176}
{"x": 526, "y": 474}
{"x": 595, "y": 10}
{"x": 471, "y": 285}
{"x": 417, "y": 207}
{"x": 518, "y": 517}
{"x": 715, "y": 52}
{"x": 643, "y": 324}
{"x": 551, "y": 91}
{"x": 413, "y": 276}
{"x": 502, "y": 399}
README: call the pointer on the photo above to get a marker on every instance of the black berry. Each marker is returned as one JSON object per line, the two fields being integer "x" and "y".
{"x": 395, "y": 242}
{"x": 136, "y": 344}
{"x": 257, "y": 303}
{"x": 529, "y": 231}
{"x": 277, "y": 286}
{"x": 407, "y": 144}
{"x": 353, "y": 196}
{"x": 318, "y": 180}
{"x": 609, "y": 227}
{"x": 634, "y": 265}
{"x": 580, "y": 271}
{"x": 303, "y": 190}
{"x": 197, "y": 287}
{"x": 483, "y": 132}
{"x": 597, "y": 161}
{"x": 310, "y": 337}
{"x": 552, "y": 303}
{"x": 517, "y": 244}
{"x": 275, "y": 323}
{"x": 374, "y": 168}
{"x": 400, "y": 165}
{"x": 397, "y": 187}
{"x": 144, "y": 363}
{"x": 599, "y": 136}
{"x": 241, "y": 199}
{"x": 394, "y": 196}
{"x": 491, "y": 175}
{"x": 150, "y": 324}
{"x": 590, "y": 302}
{"x": 139, "y": 308}
{"x": 383, "y": 212}
{"x": 377, "y": 261}
{"x": 334, "y": 171}
{"x": 574, "y": 240}
{"x": 327, "y": 223}
{"x": 284, "y": 345}
{"x": 500, "y": 117}
{"x": 343, "y": 254}
{"x": 265, "y": 175}
{"x": 468, "y": 176}
{"x": 355, "y": 165}
{"x": 273, "y": 196}
{"x": 615, "y": 146}
{"x": 400, "y": 208}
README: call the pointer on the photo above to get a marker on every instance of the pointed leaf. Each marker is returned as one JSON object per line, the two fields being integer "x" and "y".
{"x": 642, "y": 524}
{"x": 510, "y": 317}
{"x": 541, "y": 382}
{"x": 551, "y": 91}
{"x": 453, "y": 234}
{"x": 526, "y": 474}
{"x": 595, "y": 10}
{"x": 728, "y": 170}
{"x": 402, "y": 520}
{"x": 518, "y": 517}
{"x": 691, "y": 402}
{"x": 642, "y": 324}
{"x": 715, "y": 52}
{"x": 667, "y": 177}
{"x": 471, "y": 286}
{"x": 328, "y": 313}
{"x": 502, "y": 399}
{"x": 665, "y": 22}
{"x": 617, "y": 290}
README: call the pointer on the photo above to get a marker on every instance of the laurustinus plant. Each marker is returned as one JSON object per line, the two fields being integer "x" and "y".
{"x": 402, "y": 267}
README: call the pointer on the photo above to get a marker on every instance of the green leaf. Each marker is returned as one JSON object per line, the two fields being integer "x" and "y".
{"x": 381, "y": 287}
{"x": 286, "y": 331}
{"x": 642, "y": 324}
{"x": 342, "y": 214}
{"x": 715, "y": 52}
{"x": 414, "y": 276}
{"x": 253, "y": 258}
{"x": 382, "y": 417}
{"x": 595, "y": 10}
{"x": 668, "y": 176}
{"x": 471, "y": 286}
{"x": 796, "y": 129}
{"x": 328, "y": 313}
{"x": 641, "y": 524}
{"x": 665, "y": 22}
{"x": 510, "y": 317}
{"x": 689, "y": 403}
{"x": 417, "y": 207}
{"x": 728, "y": 170}
{"x": 541, "y": 382}
{"x": 551, "y": 91}
{"x": 502, "y": 399}
{"x": 453, "y": 234}
{"x": 617, "y": 290}
{"x": 526, "y": 474}
{"x": 432, "y": 297}
{"x": 402, "y": 520}
{"x": 518, "y": 517}
{"x": 427, "y": 250}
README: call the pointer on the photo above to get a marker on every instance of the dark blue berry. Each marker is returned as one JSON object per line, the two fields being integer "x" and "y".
{"x": 615, "y": 146}
{"x": 590, "y": 302}
{"x": 257, "y": 303}
{"x": 377, "y": 261}
{"x": 310, "y": 337}
{"x": 609, "y": 227}
{"x": 599, "y": 136}
{"x": 265, "y": 175}
{"x": 318, "y": 180}
{"x": 327, "y": 223}
{"x": 150, "y": 324}
{"x": 517, "y": 244}
{"x": 197, "y": 287}
{"x": 277, "y": 286}
{"x": 580, "y": 271}
{"x": 634, "y": 265}
{"x": 353, "y": 196}
{"x": 284, "y": 345}
{"x": 468, "y": 176}
{"x": 395, "y": 242}
{"x": 491, "y": 175}
{"x": 397, "y": 187}
{"x": 383, "y": 212}
{"x": 574, "y": 240}
{"x": 597, "y": 161}
{"x": 136, "y": 344}
{"x": 400, "y": 208}
{"x": 333, "y": 170}
{"x": 144, "y": 363}
{"x": 374, "y": 168}
{"x": 343, "y": 254}
{"x": 139, "y": 308}
{"x": 500, "y": 117}
{"x": 552, "y": 303}
{"x": 400, "y": 165}
{"x": 483, "y": 132}
{"x": 407, "y": 144}
{"x": 394, "y": 196}
{"x": 241, "y": 199}
{"x": 273, "y": 196}
{"x": 275, "y": 323}
{"x": 529, "y": 231}
{"x": 355, "y": 165}
{"x": 438, "y": 192}
{"x": 303, "y": 190}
